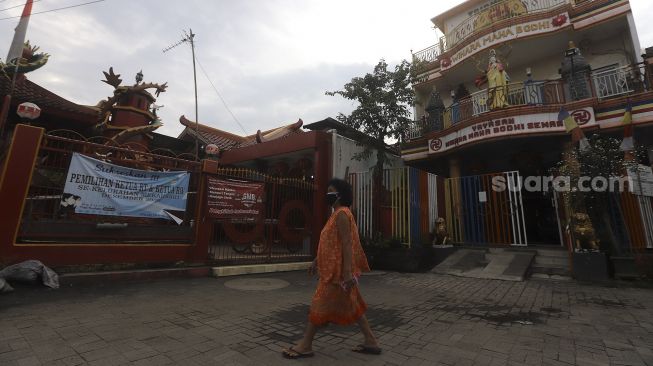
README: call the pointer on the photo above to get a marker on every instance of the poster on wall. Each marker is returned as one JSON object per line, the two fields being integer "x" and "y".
{"x": 234, "y": 199}
{"x": 99, "y": 188}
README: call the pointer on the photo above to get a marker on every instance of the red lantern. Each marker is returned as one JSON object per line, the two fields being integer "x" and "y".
{"x": 28, "y": 110}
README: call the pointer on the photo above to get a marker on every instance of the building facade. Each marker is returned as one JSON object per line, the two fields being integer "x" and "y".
{"x": 489, "y": 95}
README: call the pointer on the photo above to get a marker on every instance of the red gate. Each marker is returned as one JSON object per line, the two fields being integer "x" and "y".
{"x": 281, "y": 232}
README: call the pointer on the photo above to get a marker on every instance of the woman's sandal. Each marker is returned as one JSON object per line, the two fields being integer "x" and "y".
{"x": 293, "y": 355}
{"x": 369, "y": 350}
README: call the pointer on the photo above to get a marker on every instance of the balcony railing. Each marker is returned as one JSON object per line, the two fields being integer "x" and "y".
{"x": 602, "y": 84}
{"x": 429, "y": 54}
{"x": 418, "y": 128}
{"x": 484, "y": 19}
{"x": 483, "y": 101}
{"x": 511, "y": 95}
{"x": 618, "y": 81}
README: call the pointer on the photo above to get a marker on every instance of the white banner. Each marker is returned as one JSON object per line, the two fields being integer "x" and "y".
{"x": 99, "y": 188}
{"x": 509, "y": 126}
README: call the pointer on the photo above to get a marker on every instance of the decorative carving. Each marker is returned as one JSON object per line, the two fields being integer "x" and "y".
{"x": 108, "y": 107}
{"x": 29, "y": 61}
{"x": 111, "y": 78}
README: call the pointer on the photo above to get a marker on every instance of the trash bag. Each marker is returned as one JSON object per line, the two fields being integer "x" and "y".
{"x": 30, "y": 271}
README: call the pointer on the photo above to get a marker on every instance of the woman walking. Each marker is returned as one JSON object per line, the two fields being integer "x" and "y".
{"x": 339, "y": 263}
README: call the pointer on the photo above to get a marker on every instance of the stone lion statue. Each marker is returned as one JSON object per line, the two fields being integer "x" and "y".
{"x": 441, "y": 236}
{"x": 584, "y": 233}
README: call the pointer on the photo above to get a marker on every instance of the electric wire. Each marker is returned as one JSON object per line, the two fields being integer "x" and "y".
{"x": 219, "y": 95}
{"x": 18, "y": 6}
{"x": 57, "y": 9}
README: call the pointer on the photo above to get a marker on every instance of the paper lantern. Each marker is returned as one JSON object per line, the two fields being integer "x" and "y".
{"x": 28, "y": 110}
{"x": 212, "y": 149}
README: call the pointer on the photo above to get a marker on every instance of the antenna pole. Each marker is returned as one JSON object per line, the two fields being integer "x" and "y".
{"x": 197, "y": 123}
{"x": 190, "y": 38}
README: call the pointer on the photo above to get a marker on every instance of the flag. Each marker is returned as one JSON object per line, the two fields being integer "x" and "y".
{"x": 577, "y": 134}
{"x": 584, "y": 143}
{"x": 568, "y": 120}
{"x": 627, "y": 144}
{"x": 16, "y": 49}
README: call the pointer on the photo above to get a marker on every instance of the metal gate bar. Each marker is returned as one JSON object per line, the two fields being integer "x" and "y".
{"x": 285, "y": 229}
{"x": 647, "y": 219}
{"x": 498, "y": 219}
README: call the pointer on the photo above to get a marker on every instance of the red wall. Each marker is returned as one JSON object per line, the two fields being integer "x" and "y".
{"x": 16, "y": 177}
{"x": 14, "y": 184}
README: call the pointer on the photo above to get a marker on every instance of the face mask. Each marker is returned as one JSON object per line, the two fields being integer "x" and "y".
{"x": 331, "y": 198}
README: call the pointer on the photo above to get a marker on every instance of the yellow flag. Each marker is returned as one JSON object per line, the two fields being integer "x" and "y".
{"x": 567, "y": 119}
{"x": 628, "y": 116}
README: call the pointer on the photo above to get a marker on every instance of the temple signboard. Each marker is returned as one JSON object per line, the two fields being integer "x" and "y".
{"x": 460, "y": 26}
{"x": 506, "y": 34}
{"x": 509, "y": 126}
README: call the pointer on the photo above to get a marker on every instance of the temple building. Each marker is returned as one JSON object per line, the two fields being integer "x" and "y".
{"x": 490, "y": 93}
{"x": 276, "y": 179}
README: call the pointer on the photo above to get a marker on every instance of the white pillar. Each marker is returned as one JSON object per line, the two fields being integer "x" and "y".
{"x": 634, "y": 38}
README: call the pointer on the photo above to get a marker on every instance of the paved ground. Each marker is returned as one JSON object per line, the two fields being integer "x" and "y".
{"x": 420, "y": 319}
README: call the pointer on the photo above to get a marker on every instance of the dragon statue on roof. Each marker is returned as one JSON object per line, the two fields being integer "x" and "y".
{"x": 29, "y": 61}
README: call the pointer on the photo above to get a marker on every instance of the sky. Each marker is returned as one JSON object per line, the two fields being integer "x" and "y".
{"x": 271, "y": 60}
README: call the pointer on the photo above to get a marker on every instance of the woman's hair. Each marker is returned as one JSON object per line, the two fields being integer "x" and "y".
{"x": 344, "y": 191}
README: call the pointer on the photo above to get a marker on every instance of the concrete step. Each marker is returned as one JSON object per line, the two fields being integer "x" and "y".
{"x": 512, "y": 249}
{"x": 546, "y": 260}
{"x": 561, "y": 252}
{"x": 551, "y": 269}
{"x": 544, "y": 276}
{"x": 259, "y": 268}
{"x": 461, "y": 260}
{"x": 496, "y": 250}
{"x": 489, "y": 264}
{"x": 71, "y": 279}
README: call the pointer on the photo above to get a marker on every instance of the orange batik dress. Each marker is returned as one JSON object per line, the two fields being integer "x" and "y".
{"x": 332, "y": 304}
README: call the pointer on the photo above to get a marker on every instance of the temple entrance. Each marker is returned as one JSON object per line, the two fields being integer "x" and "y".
{"x": 486, "y": 209}
{"x": 541, "y": 218}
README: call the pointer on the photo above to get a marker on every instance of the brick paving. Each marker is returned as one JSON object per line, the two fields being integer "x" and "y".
{"x": 420, "y": 319}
